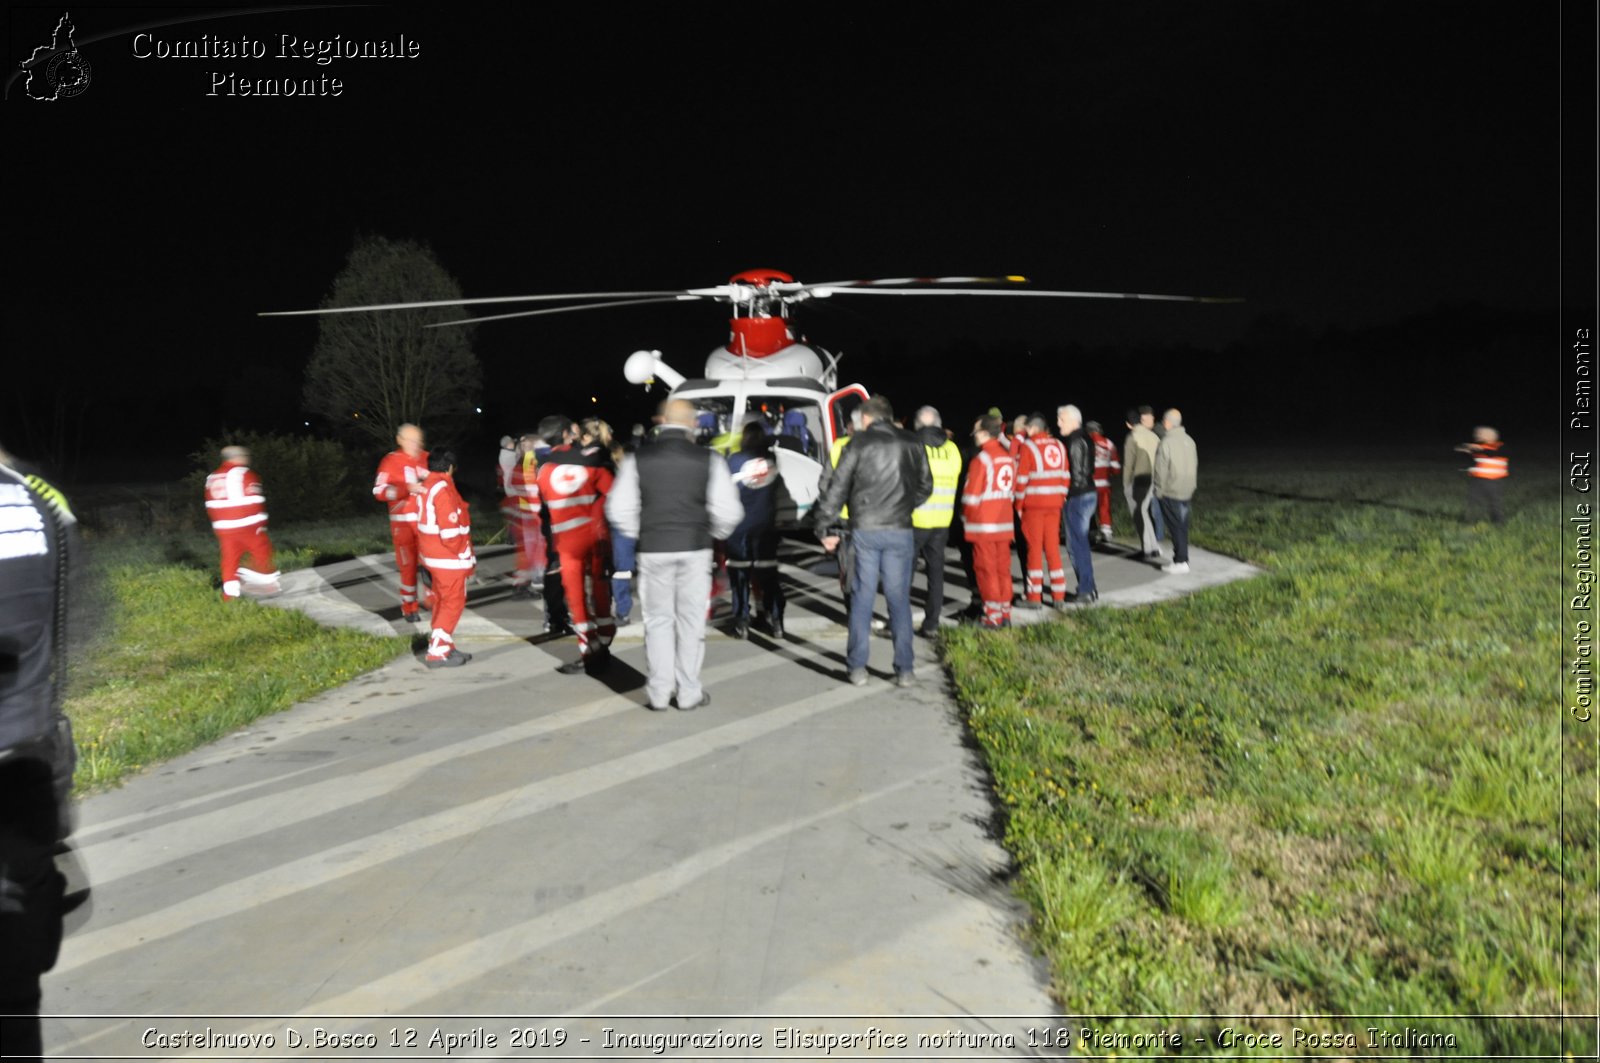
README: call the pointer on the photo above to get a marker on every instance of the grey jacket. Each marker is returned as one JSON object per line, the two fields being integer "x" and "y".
{"x": 1177, "y": 466}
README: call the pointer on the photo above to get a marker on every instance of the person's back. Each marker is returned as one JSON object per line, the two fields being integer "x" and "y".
{"x": 672, "y": 495}
{"x": 883, "y": 476}
{"x": 675, "y": 498}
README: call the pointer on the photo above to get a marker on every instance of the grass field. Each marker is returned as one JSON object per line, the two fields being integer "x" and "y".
{"x": 170, "y": 667}
{"x": 1337, "y": 788}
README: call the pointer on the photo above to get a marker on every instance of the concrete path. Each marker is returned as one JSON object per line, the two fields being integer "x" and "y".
{"x": 475, "y": 853}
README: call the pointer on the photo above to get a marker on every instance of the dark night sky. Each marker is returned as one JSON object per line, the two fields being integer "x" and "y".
{"x": 1339, "y": 166}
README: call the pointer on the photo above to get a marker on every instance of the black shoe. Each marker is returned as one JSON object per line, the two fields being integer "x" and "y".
{"x": 1028, "y": 605}
{"x": 572, "y": 667}
{"x": 741, "y": 629}
{"x": 454, "y": 660}
{"x": 412, "y": 617}
{"x": 928, "y": 632}
{"x": 705, "y": 699}
{"x": 559, "y": 631}
{"x": 775, "y": 625}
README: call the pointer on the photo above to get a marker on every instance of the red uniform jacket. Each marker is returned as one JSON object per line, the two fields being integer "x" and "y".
{"x": 234, "y": 498}
{"x": 572, "y": 486}
{"x": 1106, "y": 461}
{"x": 444, "y": 527}
{"x": 1042, "y": 476}
{"x": 986, "y": 499}
{"x": 395, "y": 471}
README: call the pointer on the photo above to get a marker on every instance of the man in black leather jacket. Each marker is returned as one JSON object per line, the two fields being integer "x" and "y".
{"x": 882, "y": 476}
{"x": 1081, "y": 500}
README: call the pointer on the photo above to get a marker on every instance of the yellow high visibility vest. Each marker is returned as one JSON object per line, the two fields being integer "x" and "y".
{"x": 940, "y": 508}
{"x": 833, "y": 462}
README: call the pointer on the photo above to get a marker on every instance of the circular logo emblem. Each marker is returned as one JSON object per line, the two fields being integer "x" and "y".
{"x": 1005, "y": 477}
{"x": 68, "y": 74}
{"x": 567, "y": 478}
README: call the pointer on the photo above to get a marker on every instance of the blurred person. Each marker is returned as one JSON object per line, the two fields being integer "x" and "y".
{"x": 1041, "y": 494}
{"x": 1081, "y": 500}
{"x": 555, "y": 431}
{"x": 675, "y": 498}
{"x": 1106, "y": 462}
{"x": 1486, "y": 477}
{"x": 1173, "y": 483}
{"x": 753, "y": 544}
{"x": 237, "y": 507}
{"x": 573, "y": 481}
{"x": 506, "y": 461}
{"x": 400, "y": 475}
{"x": 1140, "y": 449}
{"x": 930, "y": 522}
{"x": 524, "y": 522}
{"x": 883, "y": 476}
{"x": 624, "y": 548}
{"x": 987, "y": 501}
{"x": 444, "y": 538}
{"x": 38, "y": 540}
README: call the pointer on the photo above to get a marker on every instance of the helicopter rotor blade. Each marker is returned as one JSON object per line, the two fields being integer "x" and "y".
{"x": 562, "y": 310}
{"x": 679, "y": 293}
{"x": 881, "y": 281}
{"x": 825, "y": 292}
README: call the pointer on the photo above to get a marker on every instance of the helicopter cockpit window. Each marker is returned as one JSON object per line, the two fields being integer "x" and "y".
{"x": 713, "y": 418}
{"x": 795, "y": 424}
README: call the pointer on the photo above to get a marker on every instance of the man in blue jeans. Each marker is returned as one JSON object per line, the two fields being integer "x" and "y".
{"x": 883, "y": 475}
{"x": 1082, "y": 499}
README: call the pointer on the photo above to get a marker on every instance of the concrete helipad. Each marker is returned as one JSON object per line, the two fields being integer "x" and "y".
{"x": 484, "y": 855}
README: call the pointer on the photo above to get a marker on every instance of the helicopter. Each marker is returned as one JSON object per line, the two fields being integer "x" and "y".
{"x": 764, "y": 371}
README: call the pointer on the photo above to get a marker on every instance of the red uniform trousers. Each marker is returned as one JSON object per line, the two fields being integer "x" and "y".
{"x": 583, "y": 559}
{"x": 1105, "y": 504}
{"x": 406, "y": 554}
{"x": 991, "y": 562}
{"x": 446, "y": 601}
{"x": 1040, "y": 526}
{"x": 237, "y": 543}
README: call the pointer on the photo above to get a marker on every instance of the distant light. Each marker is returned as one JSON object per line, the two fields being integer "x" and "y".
{"x": 357, "y": 416}
{"x": 477, "y": 409}
{"x": 1014, "y": 277}
{"x": 307, "y": 424}
{"x": 593, "y": 399}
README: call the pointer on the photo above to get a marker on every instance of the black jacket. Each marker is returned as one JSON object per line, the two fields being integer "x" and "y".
{"x": 1080, "y": 463}
{"x": 882, "y": 476}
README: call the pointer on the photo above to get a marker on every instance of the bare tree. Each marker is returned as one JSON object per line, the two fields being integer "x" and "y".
{"x": 371, "y": 372}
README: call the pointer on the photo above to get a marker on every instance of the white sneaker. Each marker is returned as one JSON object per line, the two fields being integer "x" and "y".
{"x": 1177, "y": 568}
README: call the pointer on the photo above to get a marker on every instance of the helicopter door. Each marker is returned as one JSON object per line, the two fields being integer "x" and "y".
{"x": 840, "y": 405}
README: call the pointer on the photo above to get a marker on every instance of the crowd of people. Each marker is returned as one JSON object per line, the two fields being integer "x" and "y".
{"x": 667, "y": 516}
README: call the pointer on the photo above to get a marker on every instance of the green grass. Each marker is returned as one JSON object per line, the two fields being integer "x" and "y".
{"x": 1335, "y": 788}
{"x": 172, "y": 667}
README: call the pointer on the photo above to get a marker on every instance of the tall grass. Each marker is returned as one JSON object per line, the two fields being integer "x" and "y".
{"x": 1335, "y": 788}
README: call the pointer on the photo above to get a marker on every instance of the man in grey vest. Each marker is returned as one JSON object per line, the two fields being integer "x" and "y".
{"x": 675, "y": 497}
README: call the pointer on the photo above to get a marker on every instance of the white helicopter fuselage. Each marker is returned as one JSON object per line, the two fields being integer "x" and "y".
{"x": 791, "y": 391}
